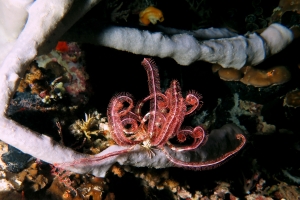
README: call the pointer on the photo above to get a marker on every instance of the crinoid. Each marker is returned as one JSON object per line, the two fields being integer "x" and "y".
{"x": 163, "y": 121}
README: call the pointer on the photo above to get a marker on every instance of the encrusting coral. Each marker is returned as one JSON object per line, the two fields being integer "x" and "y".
{"x": 260, "y": 78}
{"x": 31, "y": 178}
{"x": 32, "y": 79}
{"x": 292, "y": 99}
{"x": 249, "y": 75}
{"x": 284, "y": 6}
{"x": 56, "y": 74}
{"x": 71, "y": 186}
{"x": 67, "y": 64}
{"x": 229, "y": 74}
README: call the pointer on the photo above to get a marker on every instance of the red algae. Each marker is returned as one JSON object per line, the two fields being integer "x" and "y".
{"x": 62, "y": 46}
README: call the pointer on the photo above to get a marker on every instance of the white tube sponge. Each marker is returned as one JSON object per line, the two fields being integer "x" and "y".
{"x": 233, "y": 52}
{"x": 185, "y": 47}
{"x": 277, "y": 37}
{"x": 13, "y": 16}
{"x": 200, "y": 34}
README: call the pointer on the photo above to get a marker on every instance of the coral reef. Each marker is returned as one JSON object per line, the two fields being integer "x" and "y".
{"x": 51, "y": 51}
{"x": 17, "y": 58}
{"x": 47, "y": 88}
{"x": 67, "y": 65}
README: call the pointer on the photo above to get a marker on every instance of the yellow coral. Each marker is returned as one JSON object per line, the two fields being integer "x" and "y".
{"x": 151, "y": 15}
{"x": 89, "y": 126}
{"x": 34, "y": 74}
{"x": 117, "y": 170}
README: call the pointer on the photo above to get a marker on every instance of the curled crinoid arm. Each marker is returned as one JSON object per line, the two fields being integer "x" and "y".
{"x": 117, "y": 104}
{"x": 116, "y": 110}
{"x": 207, "y": 164}
{"x": 197, "y": 134}
{"x": 92, "y": 160}
{"x": 193, "y": 101}
{"x": 162, "y": 103}
{"x": 152, "y": 120}
{"x": 130, "y": 123}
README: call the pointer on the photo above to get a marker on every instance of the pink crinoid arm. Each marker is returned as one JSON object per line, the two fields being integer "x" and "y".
{"x": 154, "y": 91}
{"x": 222, "y": 144}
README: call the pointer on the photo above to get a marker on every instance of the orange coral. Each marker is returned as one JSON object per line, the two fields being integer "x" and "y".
{"x": 251, "y": 76}
{"x": 151, "y": 15}
{"x": 227, "y": 74}
{"x": 230, "y": 74}
{"x": 31, "y": 79}
{"x": 117, "y": 170}
{"x": 261, "y": 78}
{"x": 87, "y": 187}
